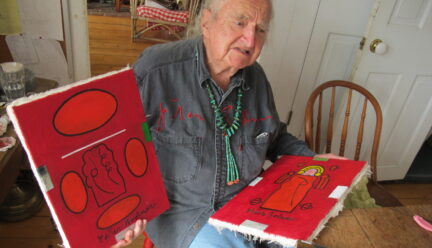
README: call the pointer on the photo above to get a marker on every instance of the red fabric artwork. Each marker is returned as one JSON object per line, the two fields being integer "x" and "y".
{"x": 290, "y": 193}
{"x": 289, "y": 201}
{"x": 90, "y": 149}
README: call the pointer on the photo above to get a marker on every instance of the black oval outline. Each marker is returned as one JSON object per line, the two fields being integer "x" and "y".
{"x": 84, "y": 186}
{"x": 103, "y": 213}
{"x": 74, "y": 95}
{"x": 146, "y": 154}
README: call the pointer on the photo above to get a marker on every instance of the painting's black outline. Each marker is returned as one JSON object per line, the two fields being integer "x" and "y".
{"x": 76, "y": 94}
{"x": 85, "y": 190}
{"x": 118, "y": 170}
{"x": 103, "y": 213}
{"x": 146, "y": 154}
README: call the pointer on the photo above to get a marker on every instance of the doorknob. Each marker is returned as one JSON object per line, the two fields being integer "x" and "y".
{"x": 378, "y": 46}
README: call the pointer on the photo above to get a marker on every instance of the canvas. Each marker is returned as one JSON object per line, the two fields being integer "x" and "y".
{"x": 292, "y": 200}
{"x": 91, "y": 151}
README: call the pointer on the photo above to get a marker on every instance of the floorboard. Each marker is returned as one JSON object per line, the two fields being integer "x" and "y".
{"x": 111, "y": 46}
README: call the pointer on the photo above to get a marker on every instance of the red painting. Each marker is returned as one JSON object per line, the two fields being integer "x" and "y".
{"x": 294, "y": 187}
{"x": 91, "y": 151}
{"x": 292, "y": 200}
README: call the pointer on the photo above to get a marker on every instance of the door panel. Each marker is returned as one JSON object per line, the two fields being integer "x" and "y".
{"x": 398, "y": 151}
{"x": 338, "y": 58}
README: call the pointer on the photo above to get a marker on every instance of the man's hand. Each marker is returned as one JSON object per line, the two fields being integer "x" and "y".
{"x": 131, "y": 235}
{"x": 330, "y": 156}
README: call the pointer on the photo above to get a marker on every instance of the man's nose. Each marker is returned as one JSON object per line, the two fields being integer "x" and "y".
{"x": 249, "y": 36}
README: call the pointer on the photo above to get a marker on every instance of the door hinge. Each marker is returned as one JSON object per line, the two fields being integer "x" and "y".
{"x": 362, "y": 43}
{"x": 289, "y": 117}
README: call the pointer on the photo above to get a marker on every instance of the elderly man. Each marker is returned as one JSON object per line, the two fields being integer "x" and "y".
{"x": 213, "y": 120}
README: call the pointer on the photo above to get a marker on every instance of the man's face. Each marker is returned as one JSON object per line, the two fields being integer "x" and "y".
{"x": 235, "y": 36}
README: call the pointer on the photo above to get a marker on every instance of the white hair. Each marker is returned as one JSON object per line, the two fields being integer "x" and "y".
{"x": 213, "y": 6}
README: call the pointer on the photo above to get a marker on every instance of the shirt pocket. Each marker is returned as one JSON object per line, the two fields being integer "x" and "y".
{"x": 179, "y": 157}
{"x": 254, "y": 155}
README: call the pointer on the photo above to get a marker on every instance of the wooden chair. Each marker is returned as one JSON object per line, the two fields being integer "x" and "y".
{"x": 378, "y": 192}
{"x": 146, "y": 19}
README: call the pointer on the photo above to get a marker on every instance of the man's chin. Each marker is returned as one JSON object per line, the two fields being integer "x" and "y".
{"x": 240, "y": 64}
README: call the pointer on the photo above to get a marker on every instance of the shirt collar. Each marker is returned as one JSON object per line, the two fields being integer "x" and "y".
{"x": 203, "y": 73}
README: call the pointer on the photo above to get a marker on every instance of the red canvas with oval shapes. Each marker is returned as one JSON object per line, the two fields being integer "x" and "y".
{"x": 97, "y": 164}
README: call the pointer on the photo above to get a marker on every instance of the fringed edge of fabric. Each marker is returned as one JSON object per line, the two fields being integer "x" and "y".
{"x": 253, "y": 234}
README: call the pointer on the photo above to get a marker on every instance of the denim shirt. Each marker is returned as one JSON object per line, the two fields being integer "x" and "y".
{"x": 189, "y": 146}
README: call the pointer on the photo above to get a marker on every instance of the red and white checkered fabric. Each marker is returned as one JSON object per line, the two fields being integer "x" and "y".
{"x": 164, "y": 15}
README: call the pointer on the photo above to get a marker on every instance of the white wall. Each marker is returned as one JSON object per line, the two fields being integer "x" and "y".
{"x": 76, "y": 37}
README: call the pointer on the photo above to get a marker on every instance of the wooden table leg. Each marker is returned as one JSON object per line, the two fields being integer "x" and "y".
{"x": 8, "y": 173}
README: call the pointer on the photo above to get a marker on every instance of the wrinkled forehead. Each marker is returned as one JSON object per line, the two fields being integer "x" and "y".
{"x": 257, "y": 10}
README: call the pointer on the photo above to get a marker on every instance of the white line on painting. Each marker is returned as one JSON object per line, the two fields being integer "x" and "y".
{"x": 97, "y": 141}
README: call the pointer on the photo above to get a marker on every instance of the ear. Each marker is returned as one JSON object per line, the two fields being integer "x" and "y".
{"x": 205, "y": 21}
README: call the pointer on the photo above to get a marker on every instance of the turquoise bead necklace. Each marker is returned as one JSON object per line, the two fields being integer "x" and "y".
{"x": 232, "y": 170}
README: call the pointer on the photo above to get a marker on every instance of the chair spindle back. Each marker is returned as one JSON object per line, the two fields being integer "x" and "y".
{"x": 314, "y": 140}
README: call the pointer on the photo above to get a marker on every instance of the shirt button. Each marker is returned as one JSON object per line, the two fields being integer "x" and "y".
{"x": 195, "y": 226}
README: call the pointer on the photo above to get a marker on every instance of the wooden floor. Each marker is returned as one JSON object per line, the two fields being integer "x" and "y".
{"x": 111, "y": 46}
{"x": 110, "y": 49}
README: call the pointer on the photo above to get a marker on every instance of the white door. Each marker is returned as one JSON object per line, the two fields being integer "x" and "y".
{"x": 311, "y": 42}
{"x": 401, "y": 80}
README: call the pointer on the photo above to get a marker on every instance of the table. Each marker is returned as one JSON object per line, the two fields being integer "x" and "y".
{"x": 12, "y": 160}
{"x": 377, "y": 227}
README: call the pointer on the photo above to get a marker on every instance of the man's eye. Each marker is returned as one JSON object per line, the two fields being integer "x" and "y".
{"x": 240, "y": 23}
{"x": 261, "y": 30}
